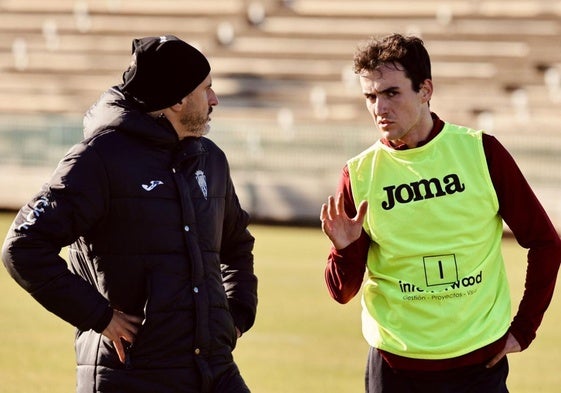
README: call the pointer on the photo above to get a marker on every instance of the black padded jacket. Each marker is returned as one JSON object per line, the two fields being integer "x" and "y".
{"x": 155, "y": 229}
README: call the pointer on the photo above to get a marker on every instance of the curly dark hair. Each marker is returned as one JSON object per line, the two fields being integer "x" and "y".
{"x": 404, "y": 53}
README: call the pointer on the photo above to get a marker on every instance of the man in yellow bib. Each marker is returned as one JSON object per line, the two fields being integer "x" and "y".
{"x": 421, "y": 212}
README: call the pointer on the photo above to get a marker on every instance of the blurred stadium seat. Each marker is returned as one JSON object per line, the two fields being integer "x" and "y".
{"x": 291, "y": 111}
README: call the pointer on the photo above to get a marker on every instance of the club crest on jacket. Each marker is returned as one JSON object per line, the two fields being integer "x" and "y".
{"x": 201, "y": 179}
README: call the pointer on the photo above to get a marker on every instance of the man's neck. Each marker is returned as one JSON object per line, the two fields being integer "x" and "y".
{"x": 434, "y": 127}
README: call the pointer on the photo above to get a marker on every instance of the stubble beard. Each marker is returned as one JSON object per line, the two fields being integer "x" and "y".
{"x": 196, "y": 125}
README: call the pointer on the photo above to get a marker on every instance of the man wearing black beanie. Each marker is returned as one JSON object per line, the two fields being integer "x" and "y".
{"x": 163, "y": 71}
{"x": 160, "y": 282}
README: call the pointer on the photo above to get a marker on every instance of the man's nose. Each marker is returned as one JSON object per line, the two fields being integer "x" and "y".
{"x": 213, "y": 98}
{"x": 380, "y": 106}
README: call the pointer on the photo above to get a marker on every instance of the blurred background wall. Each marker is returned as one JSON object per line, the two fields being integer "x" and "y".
{"x": 291, "y": 111}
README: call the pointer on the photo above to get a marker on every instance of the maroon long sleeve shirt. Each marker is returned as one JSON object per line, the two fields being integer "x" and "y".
{"x": 529, "y": 223}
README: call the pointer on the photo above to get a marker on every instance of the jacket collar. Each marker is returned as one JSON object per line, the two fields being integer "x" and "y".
{"x": 114, "y": 111}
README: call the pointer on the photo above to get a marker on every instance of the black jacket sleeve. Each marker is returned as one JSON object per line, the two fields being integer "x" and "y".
{"x": 66, "y": 207}
{"x": 236, "y": 256}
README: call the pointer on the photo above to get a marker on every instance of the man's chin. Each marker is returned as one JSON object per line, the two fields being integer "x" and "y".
{"x": 201, "y": 132}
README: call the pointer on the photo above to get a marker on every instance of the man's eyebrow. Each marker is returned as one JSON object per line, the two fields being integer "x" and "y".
{"x": 386, "y": 90}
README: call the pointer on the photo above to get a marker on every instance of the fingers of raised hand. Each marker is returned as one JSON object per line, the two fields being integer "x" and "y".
{"x": 361, "y": 211}
{"x": 327, "y": 209}
{"x": 335, "y": 206}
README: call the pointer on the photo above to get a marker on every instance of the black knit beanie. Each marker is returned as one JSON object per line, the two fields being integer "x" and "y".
{"x": 163, "y": 71}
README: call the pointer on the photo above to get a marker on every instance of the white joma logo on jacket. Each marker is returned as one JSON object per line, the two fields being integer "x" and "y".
{"x": 153, "y": 184}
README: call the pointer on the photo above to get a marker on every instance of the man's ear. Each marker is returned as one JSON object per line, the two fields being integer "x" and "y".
{"x": 177, "y": 107}
{"x": 426, "y": 90}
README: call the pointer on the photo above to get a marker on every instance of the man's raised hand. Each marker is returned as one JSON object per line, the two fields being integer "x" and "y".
{"x": 340, "y": 228}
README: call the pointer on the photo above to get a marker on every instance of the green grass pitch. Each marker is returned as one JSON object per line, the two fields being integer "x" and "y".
{"x": 302, "y": 341}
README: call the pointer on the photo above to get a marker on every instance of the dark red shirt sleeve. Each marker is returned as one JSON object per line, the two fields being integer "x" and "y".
{"x": 523, "y": 213}
{"x": 345, "y": 268}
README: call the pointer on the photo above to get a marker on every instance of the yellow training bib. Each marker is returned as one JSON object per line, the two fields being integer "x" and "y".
{"x": 437, "y": 286}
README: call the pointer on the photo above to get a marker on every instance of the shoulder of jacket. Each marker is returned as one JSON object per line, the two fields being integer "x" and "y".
{"x": 210, "y": 146}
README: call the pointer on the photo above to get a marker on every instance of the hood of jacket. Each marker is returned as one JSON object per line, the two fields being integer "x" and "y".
{"x": 113, "y": 111}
